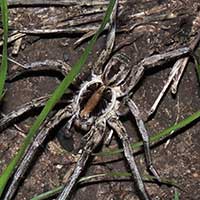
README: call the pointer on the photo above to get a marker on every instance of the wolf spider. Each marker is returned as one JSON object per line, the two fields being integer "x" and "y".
{"x": 95, "y": 107}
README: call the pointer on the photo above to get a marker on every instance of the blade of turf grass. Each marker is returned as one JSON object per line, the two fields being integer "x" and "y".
{"x": 157, "y": 136}
{"x": 52, "y": 101}
{"x": 4, "y": 62}
{"x": 197, "y": 65}
{"x": 57, "y": 190}
{"x": 176, "y": 195}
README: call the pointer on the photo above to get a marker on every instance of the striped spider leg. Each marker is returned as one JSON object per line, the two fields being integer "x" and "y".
{"x": 48, "y": 125}
{"x": 94, "y": 138}
{"x": 135, "y": 75}
{"x": 116, "y": 125}
{"x": 150, "y": 62}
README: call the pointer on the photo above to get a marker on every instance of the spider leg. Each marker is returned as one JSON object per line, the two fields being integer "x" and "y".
{"x": 175, "y": 75}
{"x": 140, "y": 124}
{"x": 94, "y": 137}
{"x": 60, "y": 67}
{"x": 128, "y": 152}
{"x": 11, "y": 117}
{"x": 147, "y": 63}
{"x": 16, "y": 115}
{"x": 160, "y": 59}
{"x": 48, "y": 125}
{"x": 109, "y": 138}
{"x": 109, "y": 43}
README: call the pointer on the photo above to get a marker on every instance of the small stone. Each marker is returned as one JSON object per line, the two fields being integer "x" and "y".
{"x": 195, "y": 175}
{"x": 59, "y": 166}
{"x": 188, "y": 171}
{"x": 65, "y": 57}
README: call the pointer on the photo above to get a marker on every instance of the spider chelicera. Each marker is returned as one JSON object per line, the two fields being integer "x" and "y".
{"x": 92, "y": 109}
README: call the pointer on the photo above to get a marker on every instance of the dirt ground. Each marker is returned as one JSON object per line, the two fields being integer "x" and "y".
{"x": 162, "y": 25}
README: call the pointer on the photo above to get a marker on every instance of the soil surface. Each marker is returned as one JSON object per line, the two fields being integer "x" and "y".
{"x": 161, "y": 25}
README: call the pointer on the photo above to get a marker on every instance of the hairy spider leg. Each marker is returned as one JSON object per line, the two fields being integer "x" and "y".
{"x": 94, "y": 136}
{"x": 13, "y": 116}
{"x": 58, "y": 68}
{"x": 105, "y": 54}
{"x": 143, "y": 132}
{"x": 153, "y": 61}
{"x": 48, "y": 125}
{"x": 115, "y": 124}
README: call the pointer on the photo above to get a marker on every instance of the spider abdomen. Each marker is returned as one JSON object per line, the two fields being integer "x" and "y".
{"x": 95, "y": 103}
{"x": 92, "y": 102}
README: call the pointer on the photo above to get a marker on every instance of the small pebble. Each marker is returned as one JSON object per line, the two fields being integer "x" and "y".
{"x": 65, "y": 57}
{"x": 195, "y": 175}
{"x": 59, "y": 166}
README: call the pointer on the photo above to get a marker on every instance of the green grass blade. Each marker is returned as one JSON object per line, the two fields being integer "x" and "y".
{"x": 197, "y": 65}
{"x": 176, "y": 195}
{"x": 52, "y": 101}
{"x": 4, "y": 62}
{"x": 155, "y": 137}
{"x": 57, "y": 190}
{"x": 48, "y": 194}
